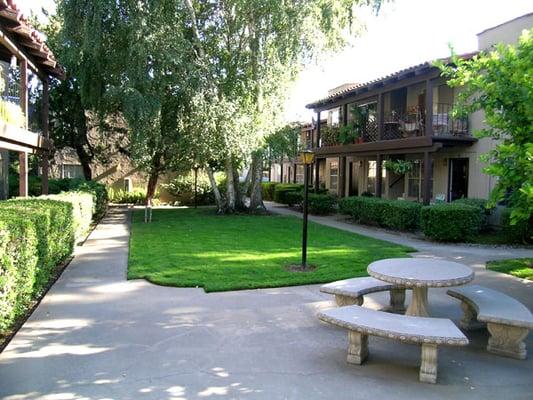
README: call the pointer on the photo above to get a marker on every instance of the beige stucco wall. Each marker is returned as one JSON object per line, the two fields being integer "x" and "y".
{"x": 506, "y": 33}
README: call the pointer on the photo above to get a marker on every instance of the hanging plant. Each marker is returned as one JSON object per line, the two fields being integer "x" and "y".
{"x": 399, "y": 167}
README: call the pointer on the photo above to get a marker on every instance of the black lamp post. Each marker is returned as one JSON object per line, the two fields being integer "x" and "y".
{"x": 307, "y": 157}
{"x": 195, "y": 167}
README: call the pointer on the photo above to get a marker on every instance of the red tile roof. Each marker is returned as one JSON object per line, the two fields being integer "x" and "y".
{"x": 27, "y": 38}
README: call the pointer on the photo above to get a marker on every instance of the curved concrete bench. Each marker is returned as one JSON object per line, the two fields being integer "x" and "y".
{"x": 508, "y": 321}
{"x": 428, "y": 332}
{"x": 351, "y": 291}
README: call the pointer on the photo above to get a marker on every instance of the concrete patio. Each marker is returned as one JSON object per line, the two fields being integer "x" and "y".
{"x": 98, "y": 336}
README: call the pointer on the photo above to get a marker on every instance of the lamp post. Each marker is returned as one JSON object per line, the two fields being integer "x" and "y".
{"x": 195, "y": 167}
{"x": 307, "y": 157}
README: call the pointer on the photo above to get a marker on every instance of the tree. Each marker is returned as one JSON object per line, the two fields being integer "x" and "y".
{"x": 252, "y": 50}
{"x": 499, "y": 83}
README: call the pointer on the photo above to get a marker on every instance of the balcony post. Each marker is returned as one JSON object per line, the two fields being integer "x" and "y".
{"x": 379, "y": 178}
{"x": 46, "y": 134}
{"x": 429, "y": 108}
{"x": 318, "y": 127}
{"x": 426, "y": 188}
{"x": 23, "y": 156}
{"x": 342, "y": 177}
{"x": 344, "y": 114}
{"x": 317, "y": 161}
{"x": 381, "y": 110}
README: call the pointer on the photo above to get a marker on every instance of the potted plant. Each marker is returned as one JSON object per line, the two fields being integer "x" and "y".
{"x": 353, "y": 131}
{"x": 399, "y": 167}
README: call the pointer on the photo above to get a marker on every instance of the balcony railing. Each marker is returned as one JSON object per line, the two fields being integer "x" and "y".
{"x": 402, "y": 125}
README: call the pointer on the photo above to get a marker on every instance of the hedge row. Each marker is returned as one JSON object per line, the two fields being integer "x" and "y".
{"x": 281, "y": 190}
{"x": 36, "y": 234}
{"x": 394, "y": 214}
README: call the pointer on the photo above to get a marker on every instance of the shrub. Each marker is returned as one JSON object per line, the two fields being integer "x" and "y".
{"x": 394, "y": 214}
{"x": 450, "y": 222}
{"x": 18, "y": 263}
{"x": 82, "y": 210}
{"x": 120, "y": 196}
{"x": 521, "y": 232}
{"x": 482, "y": 205}
{"x": 268, "y": 190}
{"x": 182, "y": 188}
{"x": 321, "y": 204}
{"x": 282, "y": 189}
{"x": 294, "y": 198}
{"x": 401, "y": 215}
{"x": 53, "y": 224}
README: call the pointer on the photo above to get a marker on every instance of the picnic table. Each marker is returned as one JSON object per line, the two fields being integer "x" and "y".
{"x": 420, "y": 274}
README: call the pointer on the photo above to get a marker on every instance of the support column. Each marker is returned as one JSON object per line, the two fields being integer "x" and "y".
{"x": 46, "y": 134}
{"x": 23, "y": 157}
{"x": 429, "y": 108}
{"x": 294, "y": 167}
{"x": 317, "y": 174}
{"x": 381, "y": 111}
{"x": 281, "y": 172}
{"x": 318, "y": 128}
{"x": 342, "y": 177}
{"x": 426, "y": 188}
{"x": 4, "y": 174}
{"x": 379, "y": 177}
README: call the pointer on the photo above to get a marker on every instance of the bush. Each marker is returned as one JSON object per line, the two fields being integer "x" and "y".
{"x": 394, "y": 214}
{"x": 482, "y": 205}
{"x": 450, "y": 222}
{"x": 294, "y": 198}
{"x": 268, "y": 190}
{"x": 321, "y": 204}
{"x": 519, "y": 233}
{"x": 18, "y": 264}
{"x": 53, "y": 224}
{"x": 182, "y": 188}
{"x": 120, "y": 196}
{"x": 282, "y": 189}
{"x": 82, "y": 210}
{"x": 401, "y": 215}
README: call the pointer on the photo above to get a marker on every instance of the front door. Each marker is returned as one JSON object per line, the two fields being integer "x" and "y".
{"x": 353, "y": 183}
{"x": 458, "y": 179}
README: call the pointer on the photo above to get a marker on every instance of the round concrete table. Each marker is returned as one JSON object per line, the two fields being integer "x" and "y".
{"x": 420, "y": 274}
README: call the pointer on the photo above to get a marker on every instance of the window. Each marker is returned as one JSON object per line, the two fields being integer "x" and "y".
{"x": 127, "y": 185}
{"x": 334, "y": 175}
{"x": 72, "y": 171}
{"x": 415, "y": 181}
{"x": 371, "y": 178}
{"x": 299, "y": 174}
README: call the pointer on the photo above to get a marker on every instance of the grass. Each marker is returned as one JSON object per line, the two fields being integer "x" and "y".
{"x": 190, "y": 248}
{"x": 519, "y": 267}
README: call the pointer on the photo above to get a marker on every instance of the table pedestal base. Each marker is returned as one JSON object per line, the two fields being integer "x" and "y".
{"x": 419, "y": 303}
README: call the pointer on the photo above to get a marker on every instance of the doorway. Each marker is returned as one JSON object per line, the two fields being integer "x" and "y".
{"x": 458, "y": 178}
{"x": 353, "y": 184}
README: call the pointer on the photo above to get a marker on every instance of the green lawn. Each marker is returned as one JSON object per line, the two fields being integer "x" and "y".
{"x": 519, "y": 267}
{"x": 188, "y": 248}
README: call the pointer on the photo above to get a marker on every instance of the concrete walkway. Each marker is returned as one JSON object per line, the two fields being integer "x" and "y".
{"x": 98, "y": 336}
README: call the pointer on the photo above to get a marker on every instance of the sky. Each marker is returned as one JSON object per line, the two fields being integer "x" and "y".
{"x": 404, "y": 33}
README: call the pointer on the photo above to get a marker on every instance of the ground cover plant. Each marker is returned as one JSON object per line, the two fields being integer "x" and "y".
{"x": 519, "y": 267}
{"x": 189, "y": 248}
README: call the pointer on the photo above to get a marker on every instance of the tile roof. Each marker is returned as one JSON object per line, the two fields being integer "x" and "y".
{"x": 352, "y": 89}
{"x": 31, "y": 41}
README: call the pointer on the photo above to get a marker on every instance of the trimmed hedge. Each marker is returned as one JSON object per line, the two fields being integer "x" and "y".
{"x": 294, "y": 198}
{"x": 18, "y": 265}
{"x": 282, "y": 189}
{"x": 450, "y": 222}
{"x": 36, "y": 234}
{"x": 268, "y": 190}
{"x": 482, "y": 205}
{"x": 321, "y": 204}
{"x": 394, "y": 214}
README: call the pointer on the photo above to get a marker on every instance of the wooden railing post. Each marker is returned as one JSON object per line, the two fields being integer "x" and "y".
{"x": 429, "y": 108}
{"x": 381, "y": 110}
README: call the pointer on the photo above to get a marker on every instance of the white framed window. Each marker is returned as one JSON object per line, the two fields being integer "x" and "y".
{"x": 415, "y": 181}
{"x": 334, "y": 175}
{"x": 299, "y": 174}
{"x": 71, "y": 171}
{"x": 371, "y": 177}
{"x": 128, "y": 186}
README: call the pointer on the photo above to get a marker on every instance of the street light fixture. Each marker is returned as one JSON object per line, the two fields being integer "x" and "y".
{"x": 307, "y": 157}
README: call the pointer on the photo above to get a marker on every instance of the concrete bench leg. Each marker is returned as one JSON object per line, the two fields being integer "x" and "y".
{"x": 469, "y": 320}
{"x": 428, "y": 366}
{"x": 507, "y": 341}
{"x": 348, "y": 301}
{"x": 397, "y": 301}
{"x": 357, "y": 347}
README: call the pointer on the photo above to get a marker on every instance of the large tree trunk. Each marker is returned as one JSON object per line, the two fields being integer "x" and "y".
{"x": 150, "y": 189}
{"x": 239, "y": 195}
{"x": 230, "y": 186}
{"x": 85, "y": 161}
{"x": 218, "y": 197}
{"x": 256, "y": 195}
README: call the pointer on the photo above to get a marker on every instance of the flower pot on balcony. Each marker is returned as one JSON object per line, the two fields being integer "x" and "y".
{"x": 359, "y": 140}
